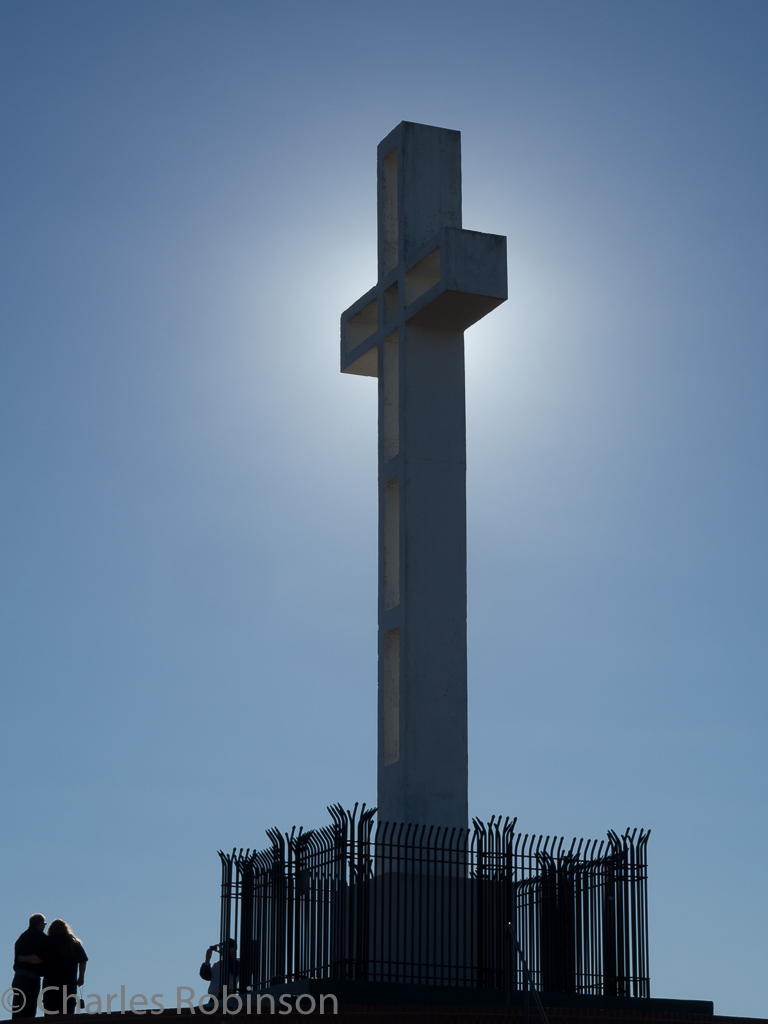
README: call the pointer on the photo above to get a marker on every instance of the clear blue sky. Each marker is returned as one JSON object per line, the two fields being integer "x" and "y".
{"x": 188, "y": 552}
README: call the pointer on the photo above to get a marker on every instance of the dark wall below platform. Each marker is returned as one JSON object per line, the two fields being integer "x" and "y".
{"x": 430, "y": 1014}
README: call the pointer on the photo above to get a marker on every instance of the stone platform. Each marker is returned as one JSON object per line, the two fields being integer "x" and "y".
{"x": 430, "y": 1014}
{"x": 370, "y": 1003}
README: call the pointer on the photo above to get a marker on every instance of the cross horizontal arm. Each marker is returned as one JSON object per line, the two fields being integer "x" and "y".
{"x": 450, "y": 283}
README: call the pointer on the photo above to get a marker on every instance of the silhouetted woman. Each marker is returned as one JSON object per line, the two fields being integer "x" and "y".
{"x": 64, "y": 965}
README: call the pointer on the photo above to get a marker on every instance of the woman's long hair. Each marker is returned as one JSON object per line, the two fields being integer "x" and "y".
{"x": 61, "y": 933}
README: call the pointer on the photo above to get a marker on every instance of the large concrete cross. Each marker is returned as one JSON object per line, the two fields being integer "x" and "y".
{"x": 435, "y": 280}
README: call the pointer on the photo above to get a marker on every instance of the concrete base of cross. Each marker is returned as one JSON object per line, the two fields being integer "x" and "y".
{"x": 372, "y": 993}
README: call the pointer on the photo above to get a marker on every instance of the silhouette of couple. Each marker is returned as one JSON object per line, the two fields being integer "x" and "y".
{"x": 57, "y": 957}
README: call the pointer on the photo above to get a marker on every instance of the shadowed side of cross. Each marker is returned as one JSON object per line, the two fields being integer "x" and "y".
{"x": 435, "y": 280}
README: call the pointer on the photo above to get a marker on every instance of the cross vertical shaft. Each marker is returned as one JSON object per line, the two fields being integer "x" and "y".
{"x": 435, "y": 279}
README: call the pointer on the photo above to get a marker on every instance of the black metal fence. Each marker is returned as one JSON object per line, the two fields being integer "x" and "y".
{"x": 359, "y": 901}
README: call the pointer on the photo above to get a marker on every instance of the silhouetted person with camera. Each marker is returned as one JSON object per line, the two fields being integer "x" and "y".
{"x": 219, "y": 974}
{"x": 28, "y": 959}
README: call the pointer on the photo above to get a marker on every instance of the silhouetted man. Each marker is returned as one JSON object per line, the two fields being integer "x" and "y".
{"x": 223, "y": 973}
{"x": 28, "y": 960}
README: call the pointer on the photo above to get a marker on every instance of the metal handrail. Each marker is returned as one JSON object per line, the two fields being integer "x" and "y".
{"x": 527, "y": 973}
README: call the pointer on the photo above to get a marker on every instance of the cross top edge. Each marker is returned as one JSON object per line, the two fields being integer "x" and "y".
{"x": 419, "y": 189}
